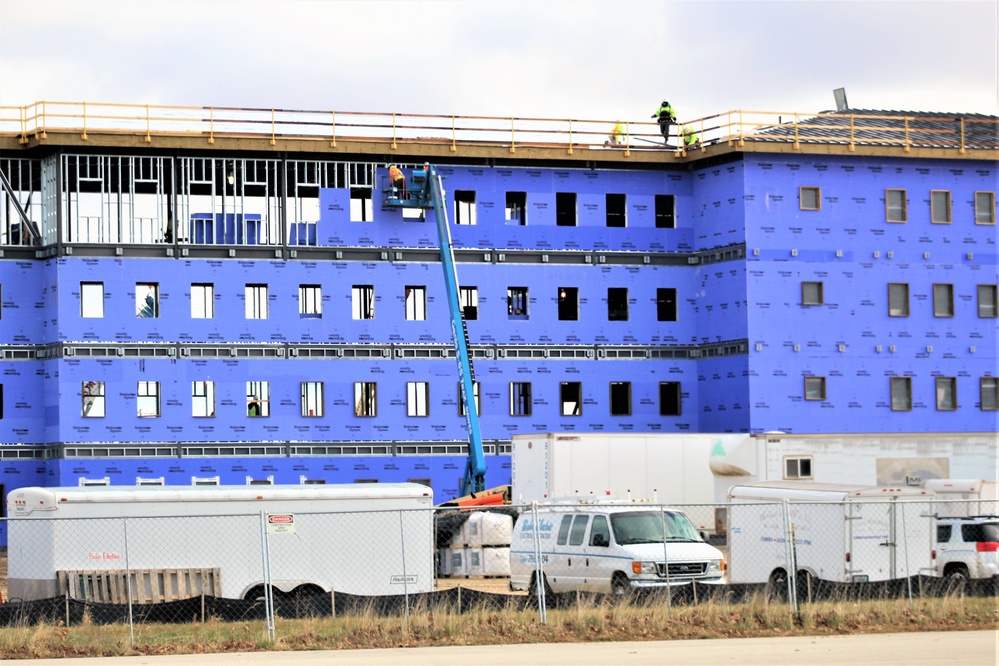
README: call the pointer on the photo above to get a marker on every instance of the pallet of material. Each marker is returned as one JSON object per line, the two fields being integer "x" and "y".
{"x": 146, "y": 585}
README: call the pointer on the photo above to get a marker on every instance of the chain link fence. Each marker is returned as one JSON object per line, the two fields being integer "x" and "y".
{"x": 191, "y": 569}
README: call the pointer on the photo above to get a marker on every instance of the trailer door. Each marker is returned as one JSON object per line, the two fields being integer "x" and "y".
{"x": 871, "y": 542}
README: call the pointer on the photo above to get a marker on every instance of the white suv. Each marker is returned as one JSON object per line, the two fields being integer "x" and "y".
{"x": 968, "y": 547}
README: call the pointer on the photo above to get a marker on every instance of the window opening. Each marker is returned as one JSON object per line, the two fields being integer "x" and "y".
{"x": 620, "y": 398}
{"x": 92, "y": 300}
{"x": 361, "y": 206}
{"x": 901, "y": 394}
{"x": 417, "y": 399}
{"x": 565, "y": 209}
{"x": 989, "y": 393}
{"x": 516, "y": 208}
{"x": 571, "y": 398}
{"x": 809, "y": 197}
{"x": 578, "y": 532}
{"x": 464, "y": 207}
{"x": 312, "y": 399}
{"x": 895, "y": 207}
{"x": 568, "y": 303}
{"x": 665, "y": 211}
{"x": 985, "y": 207}
{"x": 93, "y": 400}
{"x": 363, "y": 301}
{"x": 147, "y": 300}
{"x": 258, "y": 399}
{"x": 617, "y": 304}
{"x": 669, "y": 399}
{"x": 815, "y": 388}
{"x": 943, "y": 300}
{"x": 256, "y": 301}
{"x": 940, "y": 206}
{"x": 475, "y": 396}
{"x": 987, "y": 301}
{"x": 365, "y": 399}
{"x": 520, "y": 399}
{"x": 811, "y": 293}
{"x": 202, "y": 301}
{"x": 202, "y": 399}
{"x": 469, "y": 299}
{"x": 798, "y": 467}
{"x": 416, "y": 303}
{"x": 147, "y": 402}
{"x": 946, "y": 390}
{"x": 310, "y": 301}
{"x": 898, "y": 299}
{"x": 666, "y": 304}
{"x": 617, "y": 210}
{"x": 516, "y": 302}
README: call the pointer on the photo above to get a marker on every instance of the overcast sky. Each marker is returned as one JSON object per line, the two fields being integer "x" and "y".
{"x": 587, "y": 59}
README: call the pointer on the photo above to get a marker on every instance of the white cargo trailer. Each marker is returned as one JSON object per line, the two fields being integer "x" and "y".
{"x": 965, "y": 497}
{"x": 366, "y": 539}
{"x": 867, "y": 459}
{"x": 841, "y": 533}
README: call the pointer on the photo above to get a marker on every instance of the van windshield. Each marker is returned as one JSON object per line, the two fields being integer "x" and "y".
{"x": 652, "y": 527}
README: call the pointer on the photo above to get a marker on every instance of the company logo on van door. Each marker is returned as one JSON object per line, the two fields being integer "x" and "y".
{"x": 543, "y": 525}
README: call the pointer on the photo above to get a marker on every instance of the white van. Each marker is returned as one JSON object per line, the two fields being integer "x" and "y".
{"x": 609, "y": 547}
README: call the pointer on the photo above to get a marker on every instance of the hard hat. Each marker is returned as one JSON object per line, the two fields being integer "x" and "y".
{"x": 665, "y": 103}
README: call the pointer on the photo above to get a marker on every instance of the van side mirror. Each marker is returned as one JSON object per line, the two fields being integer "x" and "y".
{"x": 704, "y": 536}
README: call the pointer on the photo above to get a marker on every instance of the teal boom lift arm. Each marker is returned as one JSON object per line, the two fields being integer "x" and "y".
{"x": 424, "y": 190}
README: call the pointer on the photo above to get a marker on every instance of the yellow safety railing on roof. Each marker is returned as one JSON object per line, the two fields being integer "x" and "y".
{"x": 736, "y": 128}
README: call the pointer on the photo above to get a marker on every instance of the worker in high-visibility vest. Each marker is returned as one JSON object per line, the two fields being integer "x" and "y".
{"x": 666, "y": 117}
{"x": 690, "y": 138}
{"x": 398, "y": 180}
{"x": 617, "y": 134}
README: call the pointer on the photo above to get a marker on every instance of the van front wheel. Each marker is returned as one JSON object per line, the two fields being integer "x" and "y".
{"x": 620, "y": 586}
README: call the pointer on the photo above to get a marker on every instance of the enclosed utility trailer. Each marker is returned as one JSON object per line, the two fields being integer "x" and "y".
{"x": 366, "y": 539}
{"x": 840, "y": 533}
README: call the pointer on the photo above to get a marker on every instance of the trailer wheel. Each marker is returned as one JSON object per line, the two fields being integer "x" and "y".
{"x": 255, "y": 594}
{"x": 806, "y": 586}
{"x": 777, "y": 585}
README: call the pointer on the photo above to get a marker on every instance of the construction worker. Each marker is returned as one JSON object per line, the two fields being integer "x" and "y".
{"x": 397, "y": 180}
{"x": 690, "y": 138}
{"x": 666, "y": 117}
{"x": 617, "y": 134}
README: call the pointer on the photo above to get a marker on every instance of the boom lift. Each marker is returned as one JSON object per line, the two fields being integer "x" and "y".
{"x": 424, "y": 190}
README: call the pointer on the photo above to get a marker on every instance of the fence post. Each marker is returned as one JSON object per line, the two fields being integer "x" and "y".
{"x": 265, "y": 557}
{"x": 791, "y": 573}
{"x": 539, "y": 569}
{"x": 669, "y": 587}
{"x": 128, "y": 584}
{"x": 405, "y": 581}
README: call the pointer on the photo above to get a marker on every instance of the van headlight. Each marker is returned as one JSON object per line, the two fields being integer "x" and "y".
{"x": 643, "y": 567}
{"x": 715, "y": 567}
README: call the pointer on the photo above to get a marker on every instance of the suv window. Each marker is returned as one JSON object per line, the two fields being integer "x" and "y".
{"x": 983, "y": 532}
{"x": 943, "y": 533}
{"x": 578, "y": 530}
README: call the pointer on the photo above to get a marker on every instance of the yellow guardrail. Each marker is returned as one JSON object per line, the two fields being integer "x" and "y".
{"x": 733, "y": 127}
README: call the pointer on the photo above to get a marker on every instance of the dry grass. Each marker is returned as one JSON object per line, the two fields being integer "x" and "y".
{"x": 587, "y": 620}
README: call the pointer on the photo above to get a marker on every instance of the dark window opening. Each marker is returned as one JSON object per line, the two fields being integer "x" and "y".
{"x": 620, "y": 398}
{"x": 469, "y": 300}
{"x": 669, "y": 398}
{"x": 568, "y": 303}
{"x": 361, "y": 206}
{"x": 520, "y": 399}
{"x": 617, "y": 304}
{"x": 516, "y": 302}
{"x": 565, "y": 209}
{"x": 616, "y": 210}
{"x": 665, "y": 211}
{"x": 666, "y": 304}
